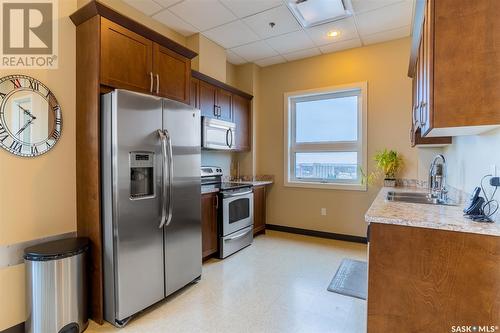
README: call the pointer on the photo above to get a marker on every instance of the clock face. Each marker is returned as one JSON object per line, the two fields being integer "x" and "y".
{"x": 30, "y": 116}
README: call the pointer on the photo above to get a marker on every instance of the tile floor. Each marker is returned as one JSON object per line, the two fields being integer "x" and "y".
{"x": 278, "y": 284}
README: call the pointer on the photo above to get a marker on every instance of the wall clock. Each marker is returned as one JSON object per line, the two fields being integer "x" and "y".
{"x": 30, "y": 116}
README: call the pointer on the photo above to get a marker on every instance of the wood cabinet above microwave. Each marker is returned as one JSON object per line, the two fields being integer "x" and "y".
{"x": 219, "y": 100}
{"x": 455, "y": 59}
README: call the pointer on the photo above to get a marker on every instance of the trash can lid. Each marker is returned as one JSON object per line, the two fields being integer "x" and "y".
{"x": 57, "y": 249}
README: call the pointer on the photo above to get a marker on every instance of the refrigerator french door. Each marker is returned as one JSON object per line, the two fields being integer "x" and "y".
{"x": 150, "y": 160}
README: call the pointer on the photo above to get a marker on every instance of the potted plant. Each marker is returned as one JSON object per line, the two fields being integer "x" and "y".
{"x": 389, "y": 162}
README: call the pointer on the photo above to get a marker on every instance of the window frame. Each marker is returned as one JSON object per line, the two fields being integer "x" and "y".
{"x": 291, "y": 147}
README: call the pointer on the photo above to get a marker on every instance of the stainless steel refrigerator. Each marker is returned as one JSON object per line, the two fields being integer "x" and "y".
{"x": 151, "y": 213}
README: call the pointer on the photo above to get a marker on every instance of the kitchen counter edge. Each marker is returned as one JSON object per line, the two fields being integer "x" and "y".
{"x": 437, "y": 217}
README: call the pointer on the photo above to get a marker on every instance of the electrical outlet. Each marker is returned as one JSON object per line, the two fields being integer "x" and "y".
{"x": 493, "y": 170}
{"x": 323, "y": 211}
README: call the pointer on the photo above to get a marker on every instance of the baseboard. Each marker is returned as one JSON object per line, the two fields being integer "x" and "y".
{"x": 315, "y": 233}
{"x": 19, "y": 328}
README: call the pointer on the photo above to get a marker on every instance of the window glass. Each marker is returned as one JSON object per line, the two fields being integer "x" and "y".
{"x": 327, "y": 166}
{"x": 327, "y": 120}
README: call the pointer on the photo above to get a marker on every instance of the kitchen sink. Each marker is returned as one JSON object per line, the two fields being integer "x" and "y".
{"x": 418, "y": 198}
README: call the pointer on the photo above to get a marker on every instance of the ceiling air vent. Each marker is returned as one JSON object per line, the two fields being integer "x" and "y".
{"x": 315, "y": 12}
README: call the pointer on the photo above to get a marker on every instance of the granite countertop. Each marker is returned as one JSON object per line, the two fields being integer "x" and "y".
{"x": 425, "y": 216}
{"x": 255, "y": 182}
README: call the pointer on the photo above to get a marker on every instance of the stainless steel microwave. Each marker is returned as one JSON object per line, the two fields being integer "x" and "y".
{"x": 217, "y": 134}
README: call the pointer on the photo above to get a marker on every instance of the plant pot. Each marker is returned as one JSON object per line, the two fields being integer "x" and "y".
{"x": 390, "y": 182}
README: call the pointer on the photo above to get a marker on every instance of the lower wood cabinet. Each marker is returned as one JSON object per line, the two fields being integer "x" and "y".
{"x": 259, "y": 209}
{"x": 426, "y": 280}
{"x": 209, "y": 205}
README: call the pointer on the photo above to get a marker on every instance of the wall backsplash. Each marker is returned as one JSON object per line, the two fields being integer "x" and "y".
{"x": 217, "y": 158}
{"x": 470, "y": 158}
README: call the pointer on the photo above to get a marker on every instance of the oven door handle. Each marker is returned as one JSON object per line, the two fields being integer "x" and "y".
{"x": 227, "y": 195}
{"x": 241, "y": 235}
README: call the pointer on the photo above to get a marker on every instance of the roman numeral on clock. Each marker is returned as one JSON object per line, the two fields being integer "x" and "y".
{"x": 2, "y": 95}
{"x": 56, "y": 135}
{"x": 34, "y": 150}
{"x": 34, "y": 85}
{"x": 3, "y": 133}
{"x": 16, "y": 146}
{"x": 16, "y": 83}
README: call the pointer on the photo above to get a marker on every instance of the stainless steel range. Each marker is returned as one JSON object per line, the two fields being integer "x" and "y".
{"x": 235, "y": 215}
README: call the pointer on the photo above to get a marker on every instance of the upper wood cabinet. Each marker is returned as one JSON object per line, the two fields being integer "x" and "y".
{"x": 126, "y": 58}
{"x": 224, "y": 104}
{"x": 194, "y": 95}
{"x": 242, "y": 118}
{"x": 208, "y": 100}
{"x": 457, "y": 76}
{"x": 131, "y": 61}
{"x": 172, "y": 74}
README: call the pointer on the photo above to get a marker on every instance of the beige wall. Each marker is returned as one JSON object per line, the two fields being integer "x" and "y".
{"x": 384, "y": 67}
{"x": 38, "y": 195}
{"x": 211, "y": 59}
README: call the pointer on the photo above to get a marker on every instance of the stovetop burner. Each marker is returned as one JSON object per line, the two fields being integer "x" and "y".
{"x": 231, "y": 186}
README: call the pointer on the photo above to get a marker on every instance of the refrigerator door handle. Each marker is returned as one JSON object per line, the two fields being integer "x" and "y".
{"x": 163, "y": 140}
{"x": 170, "y": 176}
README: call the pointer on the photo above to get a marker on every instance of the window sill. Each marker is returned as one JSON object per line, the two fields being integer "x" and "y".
{"x": 326, "y": 186}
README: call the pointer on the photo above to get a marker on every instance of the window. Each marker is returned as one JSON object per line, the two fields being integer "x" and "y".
{"x": 325, "y": 141}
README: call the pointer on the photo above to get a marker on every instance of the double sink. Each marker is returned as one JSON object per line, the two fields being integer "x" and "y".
{"x": 418, "y": 198}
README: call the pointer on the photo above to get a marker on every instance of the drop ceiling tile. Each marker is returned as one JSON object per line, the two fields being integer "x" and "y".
{"x": 339, "y": 46}
{"x": 281, "y": 16}
{"x": 345, "y": 27}
{"x": 148, "y": 7}
{"x": 386, "y": 18}
{"x": 255, "y": 51}
{"x": 291, "y": 42}
{"x": 234, "y": 58}
{"x": 204, "y": 14}
{"x": 244, "y": 8}
{"x": 387, "y": 35}
{"x": 361, "y": 6}
{"x": 270, "y": 61}
{"x": 172, "y": 21}
{"x": 167, "y": 3}
{"x": 232, "y": 34}
{"x": 302, "y": 54}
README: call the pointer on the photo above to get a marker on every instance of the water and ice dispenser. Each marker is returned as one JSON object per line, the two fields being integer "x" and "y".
{"x": 141, "y": 175}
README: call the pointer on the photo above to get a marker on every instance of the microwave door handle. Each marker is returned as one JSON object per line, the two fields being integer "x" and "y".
{"x": 170, "y": 177}
{"x": 163, "y": 178}
{"x": 231, "y": 136}
{"x": 227, "y": 138}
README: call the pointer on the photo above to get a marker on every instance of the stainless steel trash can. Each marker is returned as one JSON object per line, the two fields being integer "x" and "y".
{"x": 57, "y": 286}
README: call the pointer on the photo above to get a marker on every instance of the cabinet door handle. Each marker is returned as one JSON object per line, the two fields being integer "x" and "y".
{"x": 422, "y": 106}
{"x": 150, "y": 82}
{"x": 157, "y": 84}
{"x": 215, "y": 110}
{"x": 216, "y": 201}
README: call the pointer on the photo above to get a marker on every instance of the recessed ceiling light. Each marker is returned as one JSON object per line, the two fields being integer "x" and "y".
{"x": 333, "y": 33}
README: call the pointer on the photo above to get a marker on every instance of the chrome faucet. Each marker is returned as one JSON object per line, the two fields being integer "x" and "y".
{"x": 437, "y": 179}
